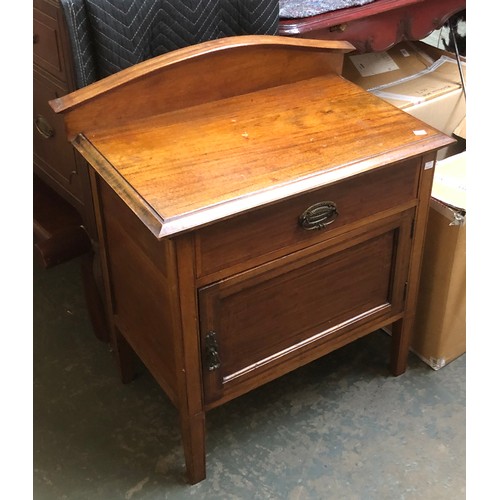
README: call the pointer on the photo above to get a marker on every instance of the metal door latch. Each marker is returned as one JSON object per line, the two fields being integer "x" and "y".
{"x": 212, "y": 351}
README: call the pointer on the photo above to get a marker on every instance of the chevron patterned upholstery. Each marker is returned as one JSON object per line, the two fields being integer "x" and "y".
{"x": 109, "y": 35}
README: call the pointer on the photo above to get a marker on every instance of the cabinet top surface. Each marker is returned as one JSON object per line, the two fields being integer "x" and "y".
{"x": 195, "y": 165}
{"x": 284, "y": 139}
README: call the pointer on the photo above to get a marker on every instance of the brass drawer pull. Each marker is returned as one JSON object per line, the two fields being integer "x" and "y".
{"x": 319, "y": 215}
{"x": 43, "y": 127}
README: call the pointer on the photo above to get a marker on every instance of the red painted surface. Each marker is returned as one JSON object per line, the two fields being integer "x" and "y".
{"x": 378, "y": 25}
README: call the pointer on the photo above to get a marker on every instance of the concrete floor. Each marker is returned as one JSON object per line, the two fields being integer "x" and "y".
{"x": 340, "y": 428}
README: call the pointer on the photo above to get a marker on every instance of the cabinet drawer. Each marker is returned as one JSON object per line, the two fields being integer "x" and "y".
{"x": 308, "y": 304}
{"x": 47, "y": 43}
{"x": 249, "y": 239}
{"x": 53, "y": 155}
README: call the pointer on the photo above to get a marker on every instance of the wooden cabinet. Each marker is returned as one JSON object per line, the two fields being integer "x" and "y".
{"x": 62, "y": 190}
{"x": 250, "y": 225}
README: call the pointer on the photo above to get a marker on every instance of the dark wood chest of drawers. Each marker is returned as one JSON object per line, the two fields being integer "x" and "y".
{"x": 54, "y": 159}
{"x": 255, "y": 212}
{"x": 62, "y": 198}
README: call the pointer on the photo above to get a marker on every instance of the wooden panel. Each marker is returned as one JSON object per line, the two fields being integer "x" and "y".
{"x": 264, "y": 318}
{"x": 181, "y": 79}
{"x": 246, "y": 240}
{"x": 139, "y": 294}
{"x": 46, "y": 44}
{"x": 131, "y": 225}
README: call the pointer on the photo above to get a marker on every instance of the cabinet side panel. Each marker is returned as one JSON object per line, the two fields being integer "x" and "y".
{"x": 139, "y": 289}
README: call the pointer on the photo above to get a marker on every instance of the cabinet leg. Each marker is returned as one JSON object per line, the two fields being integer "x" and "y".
{"x": 125, "y": 356}
{"x": 401, "y": 337}
{"x": 193, "y": 440}
{"x": 94, "y": 296}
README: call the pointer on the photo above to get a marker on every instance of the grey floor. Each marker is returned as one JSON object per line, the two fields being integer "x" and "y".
{"x": 340, "y": 428}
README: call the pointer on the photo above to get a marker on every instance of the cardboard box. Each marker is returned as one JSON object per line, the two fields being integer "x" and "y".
{"x": 440, "y": 322}
{"x": 424, "y": 81}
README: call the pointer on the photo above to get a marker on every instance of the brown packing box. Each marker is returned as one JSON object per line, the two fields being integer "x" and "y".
{"x": 440, "y": 326}
{"x": 422, "y": 80}
{"x": 425, "y": 82}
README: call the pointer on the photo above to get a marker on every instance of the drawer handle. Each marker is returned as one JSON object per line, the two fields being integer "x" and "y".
{"x": 43, "y": 127}
{"x": 319, "y": 215}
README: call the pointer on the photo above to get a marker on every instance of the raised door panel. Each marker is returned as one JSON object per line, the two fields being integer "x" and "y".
{"x": 279, "y": 316}
{"x": 48, "y": 49}
{"x": 45, "y": 45}
{"x": 138, "y": 288}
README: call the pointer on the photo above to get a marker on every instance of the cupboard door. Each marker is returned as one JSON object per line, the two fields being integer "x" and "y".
{"x": 260, "y": 324}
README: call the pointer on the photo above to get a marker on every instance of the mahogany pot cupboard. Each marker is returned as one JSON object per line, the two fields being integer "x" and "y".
{"x": 254, "y": 210}
{"x": 63, "y": 212}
